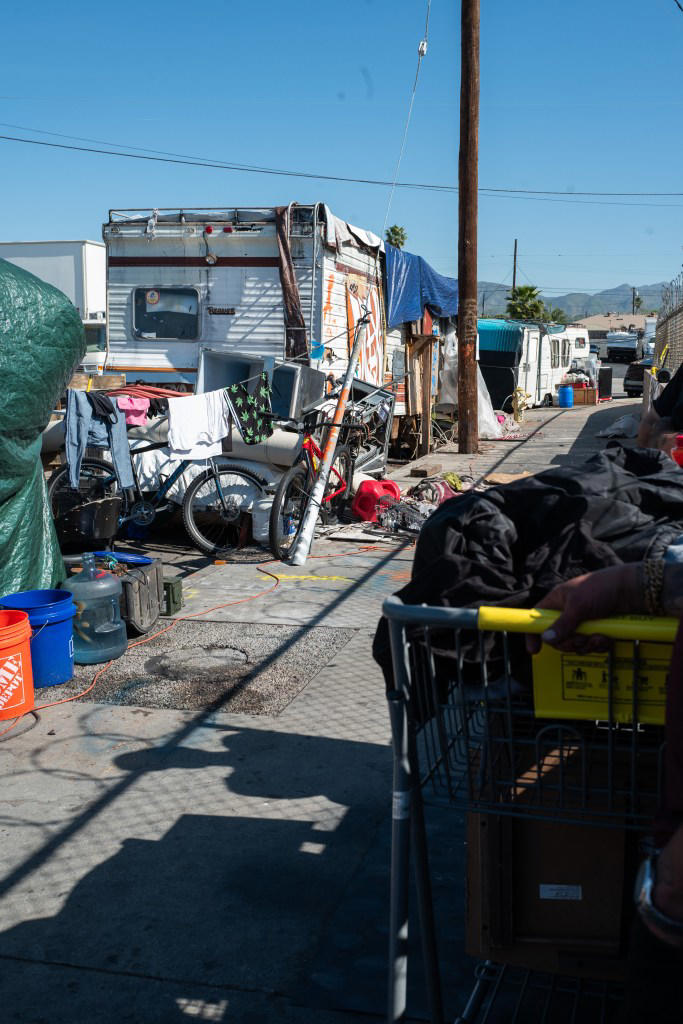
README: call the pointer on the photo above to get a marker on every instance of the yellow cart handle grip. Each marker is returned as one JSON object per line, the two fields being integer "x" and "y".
{"x": 626, "y": 627}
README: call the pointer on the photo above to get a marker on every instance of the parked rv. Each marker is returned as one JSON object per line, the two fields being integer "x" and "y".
{"x": 262, "y": 282}
{"x": 623, "y": 346}
{"x": 531, "y": 355}
{"x": 210, "y": 297}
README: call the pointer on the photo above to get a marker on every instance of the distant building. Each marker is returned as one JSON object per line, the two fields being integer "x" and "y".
{"x": 598, "y": 326}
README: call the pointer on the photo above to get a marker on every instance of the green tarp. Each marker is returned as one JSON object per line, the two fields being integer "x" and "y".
{"x": 41, "y": 341}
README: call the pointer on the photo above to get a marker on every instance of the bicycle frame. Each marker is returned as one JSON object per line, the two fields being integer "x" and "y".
{"x": 157, "y": 498}
{"x": 313, "y": 452}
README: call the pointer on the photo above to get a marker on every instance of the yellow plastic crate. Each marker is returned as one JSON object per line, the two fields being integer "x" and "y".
{"x": 575, "y": 686}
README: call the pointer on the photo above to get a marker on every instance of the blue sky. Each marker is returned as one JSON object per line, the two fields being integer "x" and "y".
{"x": 584, "y": 96}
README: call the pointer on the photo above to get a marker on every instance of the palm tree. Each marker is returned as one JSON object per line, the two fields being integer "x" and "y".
{"x": 524, "y": 303}
{"x": 396, "y": 236}
{"x": 555, "y": 315}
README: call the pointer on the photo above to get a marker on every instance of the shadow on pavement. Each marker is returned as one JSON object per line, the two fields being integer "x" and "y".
{"x": 587, "y": 442}
{"x": 275, "y": 906}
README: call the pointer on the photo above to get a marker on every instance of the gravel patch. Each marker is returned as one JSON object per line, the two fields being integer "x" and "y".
{"x": 236, "y": 667}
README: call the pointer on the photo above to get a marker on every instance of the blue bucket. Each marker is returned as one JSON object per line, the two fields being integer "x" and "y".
{"x": 565, "y": 396}
{"x": 50, "y": 613}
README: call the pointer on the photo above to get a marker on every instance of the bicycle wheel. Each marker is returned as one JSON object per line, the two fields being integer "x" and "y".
{"x": 216, "y": 508}
{"x": 287, "y": 511}
{"x": 97, "y": 480}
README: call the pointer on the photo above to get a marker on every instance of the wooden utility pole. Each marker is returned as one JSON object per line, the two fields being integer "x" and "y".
{"x": 514, "y": 268}
{"x": 468, "y": 182}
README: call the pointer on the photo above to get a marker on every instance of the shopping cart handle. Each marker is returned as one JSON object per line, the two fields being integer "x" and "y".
{"x": 533, "y": 620}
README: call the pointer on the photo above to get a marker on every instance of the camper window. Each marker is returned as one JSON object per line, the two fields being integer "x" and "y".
{"x": 565, "y": 351}
{"x": 554, "y": 353}
{"x": 580, "y": 341}
{"x": 166, "y": 313}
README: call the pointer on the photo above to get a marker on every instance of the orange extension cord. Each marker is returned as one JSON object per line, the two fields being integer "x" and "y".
{"x": 185, "y": 618}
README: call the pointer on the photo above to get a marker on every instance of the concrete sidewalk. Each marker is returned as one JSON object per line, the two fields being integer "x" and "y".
{"x": 167, "y": 863}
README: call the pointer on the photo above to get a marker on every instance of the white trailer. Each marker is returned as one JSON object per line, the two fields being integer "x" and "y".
{"x": 530, "y": 355}
{"x": 180, "y": 282}
{"x": 77, "y": 268}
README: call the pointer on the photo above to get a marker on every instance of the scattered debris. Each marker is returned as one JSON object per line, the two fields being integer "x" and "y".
{"x": 625, "y": 426}
{"x": 423, "y": 471}
{"x": 505, "y": 478}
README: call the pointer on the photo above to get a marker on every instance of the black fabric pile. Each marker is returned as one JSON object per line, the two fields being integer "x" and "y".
{"x": 510, "y": 545}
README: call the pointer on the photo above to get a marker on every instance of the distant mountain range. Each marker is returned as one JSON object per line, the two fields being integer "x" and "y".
{"x": 493, "y": 299}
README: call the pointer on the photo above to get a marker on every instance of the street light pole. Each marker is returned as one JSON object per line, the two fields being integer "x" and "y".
{"x": 468, "y": 182}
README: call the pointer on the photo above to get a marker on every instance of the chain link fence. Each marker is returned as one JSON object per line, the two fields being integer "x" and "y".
{"x": 669, "y": 333}
{"x": 670, "y": 324}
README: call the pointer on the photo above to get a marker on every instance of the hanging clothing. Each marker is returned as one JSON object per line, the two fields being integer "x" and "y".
{"x": 134, "y": 408}
{"x": 84, "y": 428}
{"x": 100, "y": 402}
{"x": 197, "y": 424}
{"x": 251, "y": 411}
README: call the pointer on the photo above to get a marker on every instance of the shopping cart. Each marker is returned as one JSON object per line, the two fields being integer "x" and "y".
{"x": 578, "y": 740}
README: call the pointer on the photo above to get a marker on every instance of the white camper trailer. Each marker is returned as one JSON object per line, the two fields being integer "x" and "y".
{"x": 271, "y": 283}
{"x": 531, "y": 355}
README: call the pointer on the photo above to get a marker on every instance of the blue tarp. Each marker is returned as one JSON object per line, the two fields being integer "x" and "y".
{"x": 500, "y": 335}
{"x": 412, "y": 284}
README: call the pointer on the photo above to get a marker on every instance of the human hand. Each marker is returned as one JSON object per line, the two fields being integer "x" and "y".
{"x": 592, "y": 596}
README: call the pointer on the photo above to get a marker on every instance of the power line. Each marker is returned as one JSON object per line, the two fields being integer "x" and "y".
{"x": 485, "y": 192}
{"x": 421, "y": 52}
{"x": 678, "y": 5}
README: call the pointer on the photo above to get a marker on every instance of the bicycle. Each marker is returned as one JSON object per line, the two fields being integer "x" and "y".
{"x": 294, "y": 489}
{"x": 214, "y": 507}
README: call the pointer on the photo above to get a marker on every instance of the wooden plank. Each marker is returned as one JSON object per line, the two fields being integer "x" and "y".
{"x": 426, "y": 411}
{"x": 101, "y": 382}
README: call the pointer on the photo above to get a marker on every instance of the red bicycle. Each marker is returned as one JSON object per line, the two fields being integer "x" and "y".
{"x": 294, "y": 490}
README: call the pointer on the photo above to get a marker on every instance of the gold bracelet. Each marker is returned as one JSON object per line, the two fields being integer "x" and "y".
{"x": 653, "y": 579}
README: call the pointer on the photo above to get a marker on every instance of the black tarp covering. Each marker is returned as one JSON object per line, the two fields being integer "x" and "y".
{"x": 41, "y": 341}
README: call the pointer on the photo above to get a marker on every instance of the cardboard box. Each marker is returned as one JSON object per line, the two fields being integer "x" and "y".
{"x": 585, "y": 396}
{"x": 548, "y": 896}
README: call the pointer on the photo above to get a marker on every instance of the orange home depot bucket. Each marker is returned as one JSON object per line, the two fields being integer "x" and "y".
{"x": 16, "y": 676}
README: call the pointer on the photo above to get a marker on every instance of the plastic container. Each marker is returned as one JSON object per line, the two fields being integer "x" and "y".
{"x": 99, "y": 632}
{"x": 565, "y": 396}
{"x": 16, "y": 675}
{"x": 677, "y": 453}
{"x": 369, "y": 493}
{"x": 260, "y": 519}
{"x": 50, "y": 613}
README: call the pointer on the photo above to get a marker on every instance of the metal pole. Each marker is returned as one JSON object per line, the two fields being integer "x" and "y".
{"x": 400, "y": 862}
{"x": 408, "y": 839}
{"x": 468, "y": 424}
{"x": 514, "y": 267}
{"x": 302, "y": 544}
